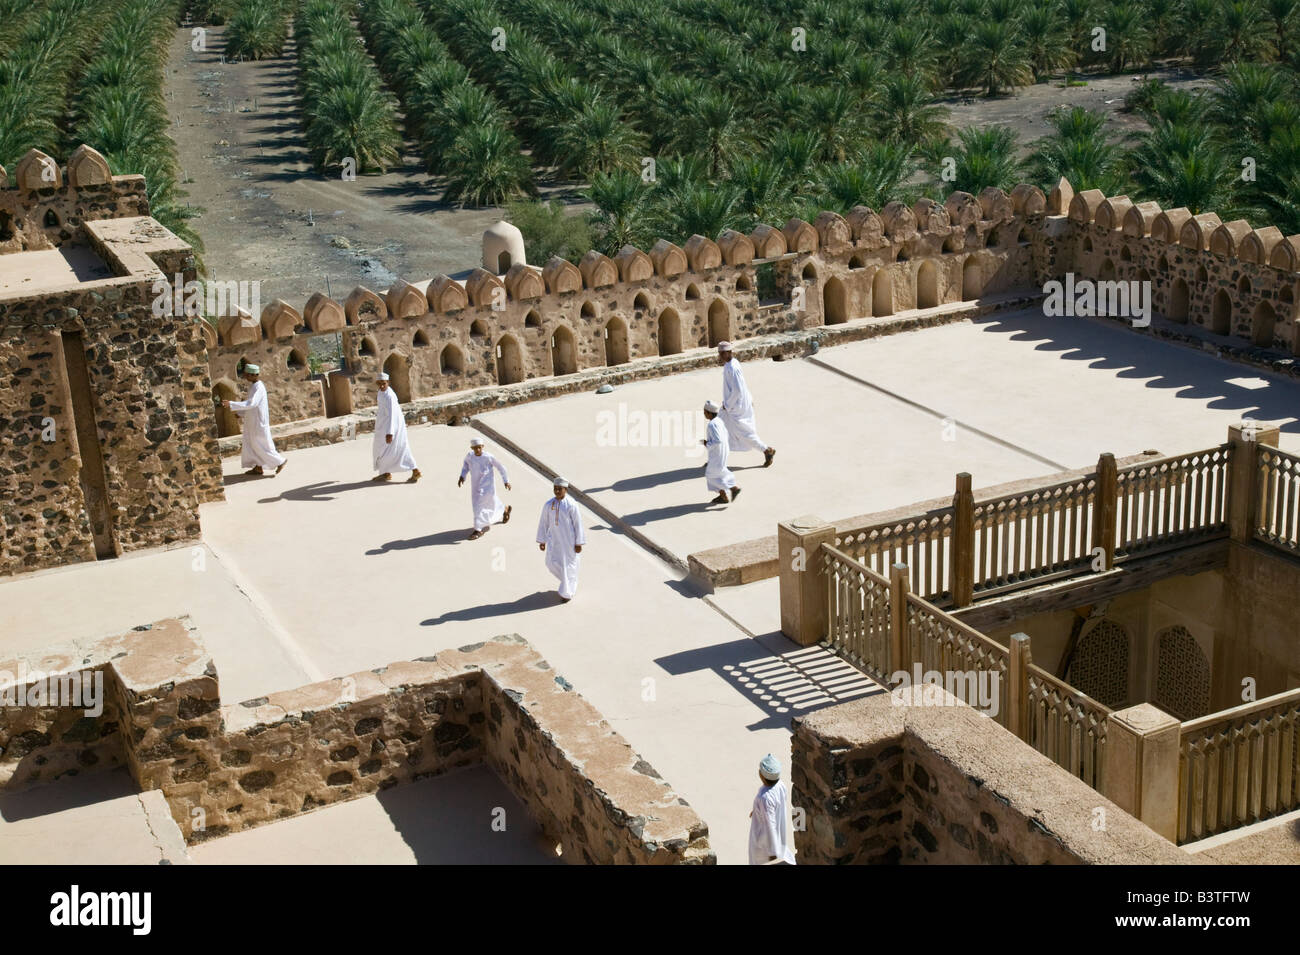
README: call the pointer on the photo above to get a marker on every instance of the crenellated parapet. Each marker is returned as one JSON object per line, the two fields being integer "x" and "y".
{"x": 482, "y": 328}
{"x": 1230, "y": 278}
{"x": 43, "y": 205}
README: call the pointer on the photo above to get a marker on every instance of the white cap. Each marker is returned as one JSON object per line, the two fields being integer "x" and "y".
{"x": 251, "y": 369}
{"x": 770, "y": 768}
{"x": 559, "y": 482}
{"x": 476, "y": 442}
{"x": 710, "y": 407}
{"x": 383, "y": 376}
{"x": 724, "y": 346}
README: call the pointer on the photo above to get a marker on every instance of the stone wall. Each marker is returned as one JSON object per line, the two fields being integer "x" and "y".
{"x": 224, "y": 768}
{"x": 44, "y": 205}
{"x": 1226, "y": 277}
{"x": 446, "y": 335}
{"x": 110, "y": 447}
{"x": 890, "y": 780}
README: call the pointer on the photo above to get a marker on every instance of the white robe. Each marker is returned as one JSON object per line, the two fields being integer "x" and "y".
{"x": 560, "y": 529}
{"x": 768, "y": 832}
{"x": 258, "y": 449}
{"x": 488, "y": 508}
{"x": 737, "y": 412}
{"x": 390, "y": 420}
{"x": 716, "y": 474}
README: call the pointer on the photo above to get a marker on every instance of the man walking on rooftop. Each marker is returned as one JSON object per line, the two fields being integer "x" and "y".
{"x": 737, "y": 410}
{"x": 258, "y": 449}
{"x": 716, "y": 474}
{"x": 560, "y": 535}
{"x": 390, "y": 448}
{"x": 488, "y": 508}
{"x": 768, "y": 830}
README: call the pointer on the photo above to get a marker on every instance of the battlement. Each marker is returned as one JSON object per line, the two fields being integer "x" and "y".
{"x": 44, "y": 205}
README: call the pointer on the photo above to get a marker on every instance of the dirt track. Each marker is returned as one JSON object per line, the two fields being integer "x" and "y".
{"x": 270, "y": 217}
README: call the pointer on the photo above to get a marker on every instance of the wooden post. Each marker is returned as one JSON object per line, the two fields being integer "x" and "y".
{"x": 1141, "y": 766}
{"x": 1017, "y": 693}
{"x": 803, "y": 578}
{"x": 1243, "y": 476}
{"x": 900, "y": 655}
{"x": 1105, "y": 512}
{"x": 961, "y": 551}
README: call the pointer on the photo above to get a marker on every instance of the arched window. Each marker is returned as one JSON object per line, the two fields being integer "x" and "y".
{"x": 451, "y": 361}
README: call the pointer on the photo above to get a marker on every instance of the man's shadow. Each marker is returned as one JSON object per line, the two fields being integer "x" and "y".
{"x": 324, "y": 491}
{"x": 535, "y": 601}
{"x": 414, "y": 543}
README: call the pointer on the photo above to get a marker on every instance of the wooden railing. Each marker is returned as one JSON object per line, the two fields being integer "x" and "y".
{"x": 1277, "y": 502}
{"x": 858, "y": 613}
{"x": 921, "y": 542}
{"x": 1239, "y": 766}
{"x": 1034, "y": 536}
{"x": 1066, "y": 726}
{"x": 962, "y": 656}
{"x": 1172, "y": 502}
{"x": 880, "y": 586}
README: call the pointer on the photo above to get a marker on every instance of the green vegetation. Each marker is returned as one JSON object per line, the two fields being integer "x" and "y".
{"x": 74, "y": 72}
{"x": 258, "y": 29}
{"x": 349, "y": 114}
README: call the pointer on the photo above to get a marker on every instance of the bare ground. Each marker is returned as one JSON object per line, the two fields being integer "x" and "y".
{"x": 1026, "y": 110}
{"x": 269, "y": 216}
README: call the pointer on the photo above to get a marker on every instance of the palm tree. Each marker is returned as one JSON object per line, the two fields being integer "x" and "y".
{"x": 872, "y": 180}
{"x": 1283, "y": 15}
{"x": 796, "y": 152}
{"x": 461, "y": 107}
{"x": 1128, "y": 37}
{"x": 1179, "y": 165}
{"x": 700, "y": 208}
{"x": 766, "y": 190}
{"x": 620, "y": 198}
{"x": 985, "y": 157}
{"x": 715, "y": 127}
{"x": 1046, "y": 44}
{"x": 829, "y": 111}
{"x": 360, "y": 122}
{"x": 1246, "y": 32}
{"x": 485, "y": 168}
{"x": 910, "y": 50}
{"x": 1244, "y": 89}
{"x": 597, "y": 140}
{"x": 1080, "y": 151}
{"x": 906, "y": 112}
{"x": 996, "y": 58}
{"x": 257, "y": 31}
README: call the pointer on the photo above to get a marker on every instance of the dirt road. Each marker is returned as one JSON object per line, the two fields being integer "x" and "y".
{"x": 270, "y": 217}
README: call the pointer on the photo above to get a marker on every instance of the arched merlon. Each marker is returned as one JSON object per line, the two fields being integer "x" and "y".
{"x": 1195, "y": 233}
{"x": 1084, "y": 206}
{"x": 1140, "y": 218}
{"x": 735, "y": 247}
{"x": 1168, "y": 225}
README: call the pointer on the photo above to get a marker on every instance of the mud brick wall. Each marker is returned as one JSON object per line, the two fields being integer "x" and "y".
{"x": 441, "y": 336}
{"x": 158, "y": 661}
{"x": 588, "y": 789}
{"x": 227, "y": 768}
{"x": 25, "y": 214}
{"x": 158, "y": 450}
{"x": 913, "y": 784}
